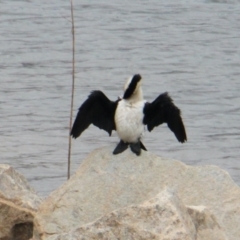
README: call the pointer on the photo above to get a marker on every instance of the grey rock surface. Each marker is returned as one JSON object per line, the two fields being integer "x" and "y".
{"x": 163, "y": 217}
{"x": 105, "y": 183}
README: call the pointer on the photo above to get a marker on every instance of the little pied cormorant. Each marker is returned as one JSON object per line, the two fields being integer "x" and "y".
{"x": 128, "y": 116}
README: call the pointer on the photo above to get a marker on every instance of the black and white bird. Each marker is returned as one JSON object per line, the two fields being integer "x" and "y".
{"x": 129, "y": 115}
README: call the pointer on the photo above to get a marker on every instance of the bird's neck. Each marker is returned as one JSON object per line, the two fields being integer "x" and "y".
{"x": 136, "y": 97}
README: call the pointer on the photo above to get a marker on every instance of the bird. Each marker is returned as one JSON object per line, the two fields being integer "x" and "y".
{"x": 129, "y": 115}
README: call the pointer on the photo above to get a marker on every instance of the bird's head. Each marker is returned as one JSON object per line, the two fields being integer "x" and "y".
{"x": 132, "y": 88}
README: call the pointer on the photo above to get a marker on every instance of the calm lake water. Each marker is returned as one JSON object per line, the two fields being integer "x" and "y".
{"x": 189, "y": 48}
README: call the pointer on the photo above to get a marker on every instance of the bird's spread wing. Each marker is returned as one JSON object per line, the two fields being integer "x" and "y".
{"x": 97, "y": 110}
{"x": 163, "y": 110}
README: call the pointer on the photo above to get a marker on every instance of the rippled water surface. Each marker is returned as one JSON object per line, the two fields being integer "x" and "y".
{"x": 189, "y": 48}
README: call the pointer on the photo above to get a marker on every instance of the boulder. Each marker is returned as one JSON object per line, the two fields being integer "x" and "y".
{"x": 105, "y": 182}
{"x": 163, "y": 217}
{"x": 18, "y": 205}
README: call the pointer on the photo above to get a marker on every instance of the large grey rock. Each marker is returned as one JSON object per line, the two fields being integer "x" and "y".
{"x": 104, "y": 183}
{"x": 163, "y": 217}
{"x": 18, "y": 204}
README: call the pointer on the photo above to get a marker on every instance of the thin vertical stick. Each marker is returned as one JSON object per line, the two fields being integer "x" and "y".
{"x": 72, "y": 97}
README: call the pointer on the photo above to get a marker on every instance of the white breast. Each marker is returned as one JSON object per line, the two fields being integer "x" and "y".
{"x": 128, "y": 120}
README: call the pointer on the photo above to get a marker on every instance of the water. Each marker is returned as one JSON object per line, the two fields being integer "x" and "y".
{"x": 189, "y": 48}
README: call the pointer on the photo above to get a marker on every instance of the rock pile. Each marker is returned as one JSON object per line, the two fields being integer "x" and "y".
{"x": 110, "y": 196}
{"x": 126, "y": 197}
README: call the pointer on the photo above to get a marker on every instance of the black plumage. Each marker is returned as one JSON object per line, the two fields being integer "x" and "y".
{"x": 97, "y": 110}
{"x": 132, "y": 86}
{"x": 163, "y": 110}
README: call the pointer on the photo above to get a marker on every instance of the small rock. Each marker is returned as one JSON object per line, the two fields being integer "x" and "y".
{"x": 18, "y": 205}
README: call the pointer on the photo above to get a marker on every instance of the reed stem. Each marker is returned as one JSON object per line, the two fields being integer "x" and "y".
{"x": 72, "y": 96}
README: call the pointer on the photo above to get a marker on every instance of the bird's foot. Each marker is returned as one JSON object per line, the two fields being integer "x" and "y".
{"x": 136, "y": 148}
{"x": 121, "y": 147}
{"x": 142, "y": 146}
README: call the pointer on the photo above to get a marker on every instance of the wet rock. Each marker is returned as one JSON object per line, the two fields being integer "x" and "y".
{"x": 18, "y": 205}
{"x": 104, "y": 183}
